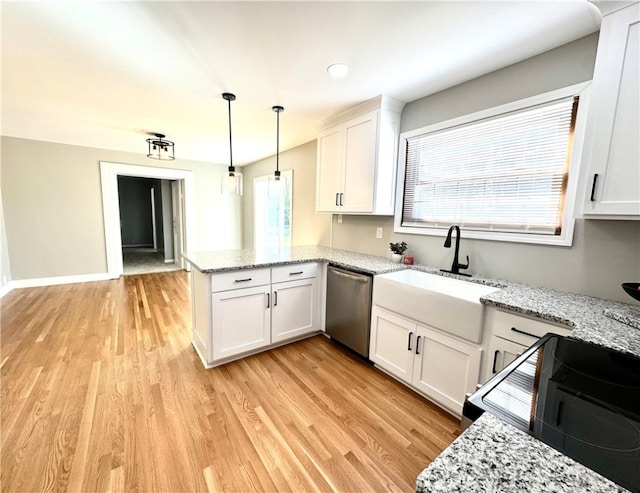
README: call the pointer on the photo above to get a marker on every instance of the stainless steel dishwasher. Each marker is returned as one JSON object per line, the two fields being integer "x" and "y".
{"x": 349, "y": 308}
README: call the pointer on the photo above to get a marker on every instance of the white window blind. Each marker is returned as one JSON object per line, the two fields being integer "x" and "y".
{"x": 507, "y": 173}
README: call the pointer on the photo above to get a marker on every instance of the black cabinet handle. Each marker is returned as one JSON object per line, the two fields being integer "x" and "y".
{"x": 593, "y": 187}
{"x": 418, "y": 344}
{"x": 341, "y": 197}
{"x": 495, "y": 360}
{"x": 275, "y": 298}
{"x": 410, "y": 338}
{"x": 559, "y": 415}
{"x": 337, "y": 203}
{"x": 268, "y": 300}
{"x": 514, "y": 329}
{"x": 243, "y": 280}
{"x": 295, "y": 273}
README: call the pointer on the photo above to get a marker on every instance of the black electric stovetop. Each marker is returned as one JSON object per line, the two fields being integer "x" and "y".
{"x": 579, "y": 398}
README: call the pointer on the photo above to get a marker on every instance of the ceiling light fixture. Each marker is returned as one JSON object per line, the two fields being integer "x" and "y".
{"x": 160, "y": 148}
{"x": 278, "y": 110}
{"x": 338, "y": 70}
{"x": 232, "y": 180}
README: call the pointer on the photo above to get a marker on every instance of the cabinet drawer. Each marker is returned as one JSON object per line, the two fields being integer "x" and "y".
{"x": 523, "y": 330}
{"x": 239, "y": 279}
{"x": 293, "y": 272}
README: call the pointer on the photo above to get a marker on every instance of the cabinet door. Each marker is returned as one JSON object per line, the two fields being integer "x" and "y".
{"x": 445, "y": 369}
{"x": 295, "y": 308}
{"x": 499, "y": 354}
{"x": 330, "y": 170}
{"x": 614, "y": 118}
{"x": 240, "y": 320}
{"x": 392, "y": 343}
{"x": 360, "y": 164}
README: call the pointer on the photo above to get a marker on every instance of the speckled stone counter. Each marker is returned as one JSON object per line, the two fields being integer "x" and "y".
{"x": 602, "y": 322}
{"x": 228, "y": 260}
{"x": 589, "y": 317}
{"x": 492, "y": 456}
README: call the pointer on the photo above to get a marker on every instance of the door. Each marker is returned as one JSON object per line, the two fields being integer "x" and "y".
{"x": 330, "y": 171}
{"x": 445, "y": 369}
{"x": 392, "y": 343}
{"x": 615, "y": 154}
{"x": 294, "y": 309}
{"x": 360, "y": 163}
{"x": 240, "y": 321}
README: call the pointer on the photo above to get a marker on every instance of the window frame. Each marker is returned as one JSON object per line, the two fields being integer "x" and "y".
{"x": 568, "y": 218}
{"x": 286, "y": 177}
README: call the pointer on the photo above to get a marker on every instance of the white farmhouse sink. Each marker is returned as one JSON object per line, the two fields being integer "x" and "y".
{"x": 445, "y": 303}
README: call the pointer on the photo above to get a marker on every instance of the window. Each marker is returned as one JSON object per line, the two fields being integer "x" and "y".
{"x": 272, "y": 211}
{"x": 499, "y": 174}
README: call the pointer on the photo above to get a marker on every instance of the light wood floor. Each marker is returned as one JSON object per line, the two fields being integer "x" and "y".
{"x": 102, "y": 391}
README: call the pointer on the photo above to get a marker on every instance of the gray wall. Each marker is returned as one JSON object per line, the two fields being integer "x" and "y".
{"x": 167, "y": 219}
{"x": 135, "y": 210}
{"x": 604, "y": 253}
{"x": 53, "y": 207}
{"x": 308, "y": 228}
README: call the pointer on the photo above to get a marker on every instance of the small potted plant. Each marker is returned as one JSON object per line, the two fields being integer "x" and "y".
{"x": 397, "y": 250}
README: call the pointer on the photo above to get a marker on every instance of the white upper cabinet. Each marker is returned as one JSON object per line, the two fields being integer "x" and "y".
{"x": 356, "y": 159}
{"x": 612, "y": 145}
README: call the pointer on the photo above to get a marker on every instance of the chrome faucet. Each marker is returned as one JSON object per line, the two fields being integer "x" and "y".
{"x": 456, "y": 265}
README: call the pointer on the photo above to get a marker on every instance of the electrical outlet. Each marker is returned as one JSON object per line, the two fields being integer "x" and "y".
{"x": 339, "y": 218}
{"x": 379, "y": 233}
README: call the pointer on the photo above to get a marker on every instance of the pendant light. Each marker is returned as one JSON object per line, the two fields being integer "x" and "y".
{"x": 278, "y": 110}
{"x": 160, "y": 148}
{"x": 232, "y": 180}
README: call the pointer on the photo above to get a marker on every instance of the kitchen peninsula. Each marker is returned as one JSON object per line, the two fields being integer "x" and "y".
{"x": 590, "y": 319}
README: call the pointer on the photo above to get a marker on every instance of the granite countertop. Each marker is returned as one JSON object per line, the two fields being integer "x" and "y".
{"x": 603, "y": 322}
{"x": 492, "y": 456}
{"x": 228, "y": 260}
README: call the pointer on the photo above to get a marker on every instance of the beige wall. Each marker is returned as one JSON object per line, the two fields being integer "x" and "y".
{"x": 5, "y": 266}
{"x": 53, "y": 207}
{"x": 604, "y": 253}
{"x": 308, "y": 228}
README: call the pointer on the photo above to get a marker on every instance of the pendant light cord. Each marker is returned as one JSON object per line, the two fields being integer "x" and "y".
{"x": 230, "y": 142}
{"x": 278, "y": 141}
{"x": 277, "y": 109}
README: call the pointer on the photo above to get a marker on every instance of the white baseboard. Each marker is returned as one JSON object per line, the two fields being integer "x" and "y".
{"x": 169, "y": 261}
{"x": 5, "y": 289}
{"x": 53, "y": 281}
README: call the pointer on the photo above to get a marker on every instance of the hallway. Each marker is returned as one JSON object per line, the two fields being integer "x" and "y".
{"x": 144, "y": 261}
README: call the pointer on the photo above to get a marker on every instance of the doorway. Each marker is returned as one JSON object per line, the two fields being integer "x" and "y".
{"x": 176, "y": 225}
{"x": 147, "y": 224}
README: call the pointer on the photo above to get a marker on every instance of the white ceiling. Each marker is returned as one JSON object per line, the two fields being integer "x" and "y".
{"x": 101, "y": 74}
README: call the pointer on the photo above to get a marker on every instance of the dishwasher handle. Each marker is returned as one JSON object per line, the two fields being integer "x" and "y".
{"x": 352, "y": 277}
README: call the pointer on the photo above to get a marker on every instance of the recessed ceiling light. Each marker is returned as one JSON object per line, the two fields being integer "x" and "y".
{"x": 338, "y": 70}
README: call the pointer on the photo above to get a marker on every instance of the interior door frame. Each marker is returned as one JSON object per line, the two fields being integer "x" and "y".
{"x": 177, "y": 219}
{"x": 109, "y": 173}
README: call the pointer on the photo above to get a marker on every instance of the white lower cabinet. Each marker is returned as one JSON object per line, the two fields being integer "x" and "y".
{"x": 242, "y": 312}
{"x": 501, "y": 352}
{"x": 445, "y": 369}
{"x": 441, "y": 367}
{"x": 240, "y": 321}
{"x": 294, "y": 310}
{"x": 511, "y": 335}
{"x": 392, "y": 343}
